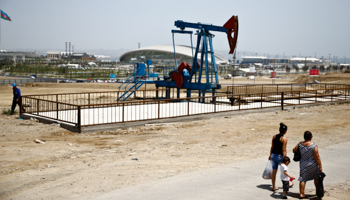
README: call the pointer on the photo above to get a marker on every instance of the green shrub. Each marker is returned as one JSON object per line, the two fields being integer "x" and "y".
{"x": 7, "y": 112}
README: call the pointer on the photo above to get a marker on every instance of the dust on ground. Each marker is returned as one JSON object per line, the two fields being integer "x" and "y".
{"x": 86, "y": 164}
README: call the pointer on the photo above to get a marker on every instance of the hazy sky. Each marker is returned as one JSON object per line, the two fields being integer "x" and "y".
{"x": 272, "y": 27}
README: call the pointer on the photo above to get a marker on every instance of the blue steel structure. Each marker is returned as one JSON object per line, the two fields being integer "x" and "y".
{"x": 136, "y": 80}
{"x": 195, "y": 81}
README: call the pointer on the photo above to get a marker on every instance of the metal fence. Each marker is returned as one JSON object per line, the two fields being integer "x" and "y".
{"x": 26, "y": 80}
{"x": 253, "y": 89}
{"x": 89, "y": 109}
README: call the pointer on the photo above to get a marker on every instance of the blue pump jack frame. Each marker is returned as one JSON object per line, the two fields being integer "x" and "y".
{"x": 205, "y": 38}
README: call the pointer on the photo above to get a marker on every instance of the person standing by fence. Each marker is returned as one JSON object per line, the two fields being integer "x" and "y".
{"x": 16, "y": 98}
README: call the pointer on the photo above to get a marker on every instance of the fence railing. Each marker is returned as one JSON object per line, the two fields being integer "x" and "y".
{"x": 252, "y": 89}
{"x": 77, "y": 110}
{"x": 26, "y": 80}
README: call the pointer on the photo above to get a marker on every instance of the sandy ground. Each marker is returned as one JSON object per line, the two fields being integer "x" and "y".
{"x": 70, "y": 165}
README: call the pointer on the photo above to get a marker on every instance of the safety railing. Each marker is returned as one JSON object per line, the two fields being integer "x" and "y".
{"x": 252, "y": 89}
{"x": 80, "y": 112}
{"x": 26, "y": 80}
{"x": 100, "y": 97}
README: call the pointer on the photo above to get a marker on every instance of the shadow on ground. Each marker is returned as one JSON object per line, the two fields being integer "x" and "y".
{"x": 278, "y": 194}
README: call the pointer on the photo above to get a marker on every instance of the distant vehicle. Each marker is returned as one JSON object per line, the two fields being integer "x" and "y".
{"x": 33, "y": 77}
{"x": 228, "y": 76}
{"x": 66, "y": 81}
{"x": 80, "y": 81}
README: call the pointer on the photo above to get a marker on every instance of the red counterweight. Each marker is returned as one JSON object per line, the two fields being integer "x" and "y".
{"x": 232, "y": 27}
{"x": 177, "y": 75}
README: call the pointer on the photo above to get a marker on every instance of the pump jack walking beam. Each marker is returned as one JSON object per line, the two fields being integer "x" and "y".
{"x": 230, "y": 27}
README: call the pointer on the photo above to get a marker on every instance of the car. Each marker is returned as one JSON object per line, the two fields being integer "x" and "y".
{"x": 32, "y": 77}
{"x": 228, "y": 76}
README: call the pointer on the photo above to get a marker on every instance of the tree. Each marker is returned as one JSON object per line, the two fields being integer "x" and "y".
{"x": 287, "y": 69}
{"x": 314, "y": 67}
{"x": 305, "y": 68}
{"x": 322, "y": 68}
{"x": 335, "y": 67}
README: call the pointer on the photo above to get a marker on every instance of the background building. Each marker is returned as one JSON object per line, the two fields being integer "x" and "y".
{"x": 53, "y": 55}
{"x": 19, "y": 55}
{"x": 164, "y": 55}
{"x": 279, "y": 62}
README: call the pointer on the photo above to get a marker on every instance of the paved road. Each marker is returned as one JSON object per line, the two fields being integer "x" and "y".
{"x": 240, "y": 180}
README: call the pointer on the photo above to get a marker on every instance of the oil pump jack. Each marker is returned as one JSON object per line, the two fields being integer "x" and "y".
{"x": 190, "y": 77}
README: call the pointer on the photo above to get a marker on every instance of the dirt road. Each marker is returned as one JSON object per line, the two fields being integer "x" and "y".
{"x": 70, "y": 165}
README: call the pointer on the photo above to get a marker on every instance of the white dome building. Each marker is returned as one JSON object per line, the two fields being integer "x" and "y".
{"x": 164, "y": 54}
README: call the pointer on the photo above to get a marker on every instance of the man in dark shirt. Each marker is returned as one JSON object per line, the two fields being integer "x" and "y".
{"x": 16, "y": 98}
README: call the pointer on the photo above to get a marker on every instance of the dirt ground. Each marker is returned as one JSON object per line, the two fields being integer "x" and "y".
{"x": 69, "y": 165}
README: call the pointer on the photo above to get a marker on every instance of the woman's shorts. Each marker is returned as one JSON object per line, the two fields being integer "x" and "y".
{"x": 276, "y": 160}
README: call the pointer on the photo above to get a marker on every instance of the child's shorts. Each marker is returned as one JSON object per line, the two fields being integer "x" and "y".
{"x": 285, "y": 186}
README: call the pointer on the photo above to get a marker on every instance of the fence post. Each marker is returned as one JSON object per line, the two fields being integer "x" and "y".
{"x": 188, "y": 107}
{"x": 37, "y": 106}
{"x": 79, "y": 119}
{"x": 56, "y": 106}
{"x": 239, "y": 102}
{"x": 332, "y": 95}
{"x": 123, "y": 112}
{"x": 316, "y": 97}
{"x": 20, "y": 106}
{"x": 214, "y": 104}
{"x": 282, "y": 102}
{"x": 158, "y": 109}
{"x": 89, "y": 99}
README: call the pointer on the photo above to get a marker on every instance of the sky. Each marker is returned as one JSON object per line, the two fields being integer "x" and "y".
{"x": 266, "y": 27}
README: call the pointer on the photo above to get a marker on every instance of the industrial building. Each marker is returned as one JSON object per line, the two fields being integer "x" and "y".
{"x": 19, "y": 55}
{"x": 53, "y": 55}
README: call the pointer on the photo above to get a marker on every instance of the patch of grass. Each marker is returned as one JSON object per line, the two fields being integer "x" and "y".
{"x": 7, "y": 112}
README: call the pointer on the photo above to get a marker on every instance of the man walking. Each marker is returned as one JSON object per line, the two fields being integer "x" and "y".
{"x": 16, "y": 98}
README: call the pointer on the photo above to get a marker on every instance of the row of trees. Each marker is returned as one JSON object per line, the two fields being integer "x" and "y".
{"x": 51, "y": 70}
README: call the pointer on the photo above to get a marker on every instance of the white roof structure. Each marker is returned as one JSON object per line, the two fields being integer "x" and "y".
{"x": 169, "y": 49}
{"x": 302, "y": 59}
{"x": 254, "y": 57}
